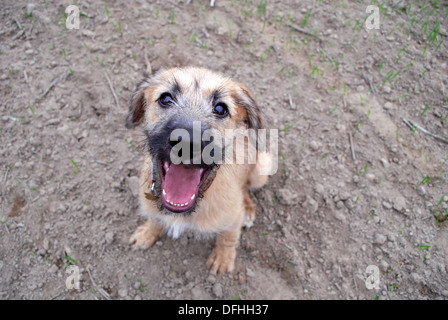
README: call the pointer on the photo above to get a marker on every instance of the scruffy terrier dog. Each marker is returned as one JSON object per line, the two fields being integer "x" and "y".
{"x": 206, "y": 198}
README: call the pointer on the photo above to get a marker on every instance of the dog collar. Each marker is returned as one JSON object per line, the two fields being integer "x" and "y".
{"x": 152, "y": 195}
{"x": 153, "y": 180}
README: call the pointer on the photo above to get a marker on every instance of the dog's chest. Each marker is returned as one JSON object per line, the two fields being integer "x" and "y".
{"x": 174, "y": 230}
{"x": 176, "y": 227}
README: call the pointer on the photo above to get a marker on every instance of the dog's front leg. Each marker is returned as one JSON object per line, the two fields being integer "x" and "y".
{"x": 146, "y": 235}
{"x": 222, "y": 258}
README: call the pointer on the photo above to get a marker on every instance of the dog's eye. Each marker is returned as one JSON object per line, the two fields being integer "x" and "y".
{"x": 166, "y": 99}
{"x": 221, "y": 110}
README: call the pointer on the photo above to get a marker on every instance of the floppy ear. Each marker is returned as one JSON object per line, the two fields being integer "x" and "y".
{"x": 138, "y": 105}
{"x": 245, "y": 100}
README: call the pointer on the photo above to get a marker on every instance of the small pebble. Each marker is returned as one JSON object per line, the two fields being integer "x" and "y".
{"x": 399, "y": 204}
{"x": 421, "y": 190}
{"x": 217, "y": 290}
{"x": 30, "y": 8}
{"x": 388, "y": 106}
{"x": 211, "y": 278}
{"x": 123, "y": 293}
{"x": 314, "y": 145}
{"x": 385, "y": 163}
{"x": 387, "y": 205}
{"x": 249, "y": 272}
{"x": 379, "y": 238}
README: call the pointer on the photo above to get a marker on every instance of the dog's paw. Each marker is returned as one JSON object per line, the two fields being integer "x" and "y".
{"x": 222, "y": 259}
{"x": 144, "y": 237}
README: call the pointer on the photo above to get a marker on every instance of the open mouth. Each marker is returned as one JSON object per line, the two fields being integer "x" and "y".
{"x": 181, "y": 185}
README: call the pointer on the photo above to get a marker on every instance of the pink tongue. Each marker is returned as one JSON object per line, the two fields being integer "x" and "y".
{"x": 181, "y": 183}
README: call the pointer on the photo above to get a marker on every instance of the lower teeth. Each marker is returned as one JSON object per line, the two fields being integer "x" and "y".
{"x": 178, "y": 204}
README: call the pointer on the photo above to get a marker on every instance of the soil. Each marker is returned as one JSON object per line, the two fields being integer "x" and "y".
{"x": 69, "y": 168}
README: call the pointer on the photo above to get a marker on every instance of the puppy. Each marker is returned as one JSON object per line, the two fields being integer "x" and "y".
{"x": 181, "y": 189}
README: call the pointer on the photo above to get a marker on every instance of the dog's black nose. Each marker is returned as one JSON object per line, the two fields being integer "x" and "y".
{"x": 184, "y": 135}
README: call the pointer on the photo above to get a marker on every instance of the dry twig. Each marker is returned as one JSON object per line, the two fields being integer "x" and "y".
{"x": 52, "y": 84}
{"x": 352, "y": 147}
{"x": 298, "y": 29}
{"x": 6, "y": 174}
{"x": 112, "y": 89}
{"x": 415, "y": 126}
{"x": 100, "y": 290}
{"x": 148, "y": 64}
{"x": 291, "y": 104}
{"x": 369, "y": 83}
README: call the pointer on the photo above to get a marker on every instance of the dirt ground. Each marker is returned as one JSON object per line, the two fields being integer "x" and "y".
{"x": 69, "y": 168}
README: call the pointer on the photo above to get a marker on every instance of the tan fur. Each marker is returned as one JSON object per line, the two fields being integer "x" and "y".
{"x": 226, "y": 204}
